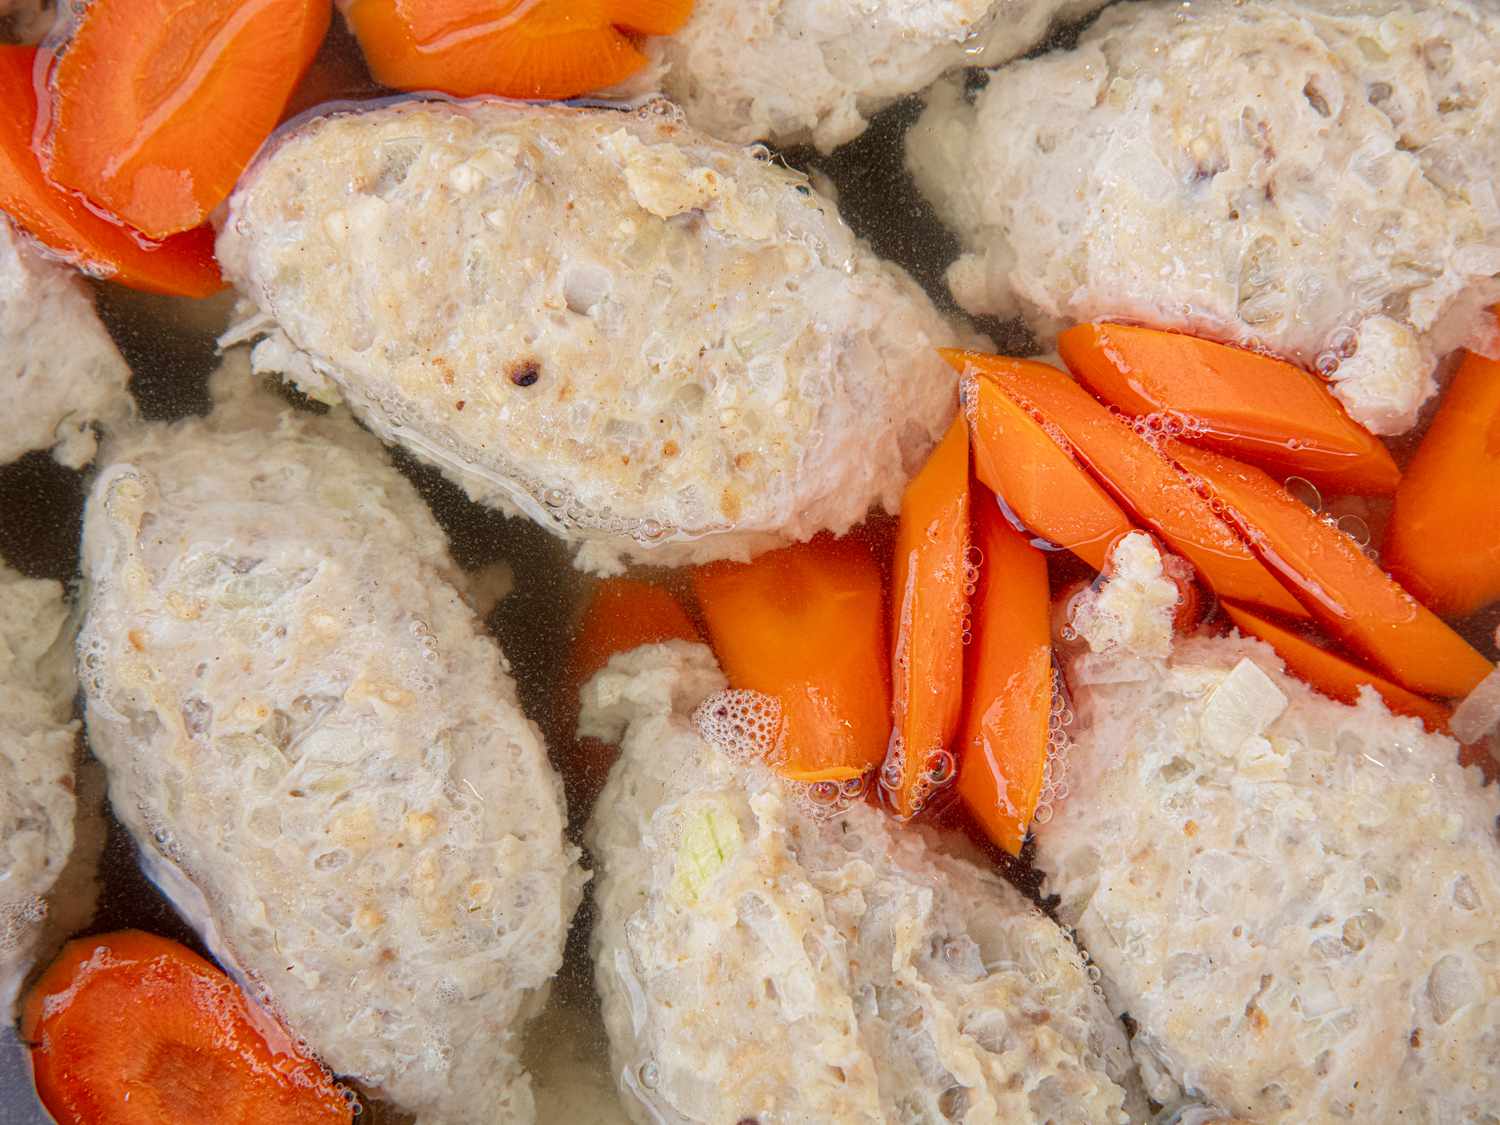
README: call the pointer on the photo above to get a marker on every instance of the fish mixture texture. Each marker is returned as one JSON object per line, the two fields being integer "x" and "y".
{"x": 59, "y": 370}
{"x": 320, "y": 752}
{"x": 662, "y": 345}
{"x": 793, "y": 71}
{"x": 759, "y": 958}
{"x": 1312, "y": 178}
{"x": 1292, "y": 898}
{"x": 38, "y": 736}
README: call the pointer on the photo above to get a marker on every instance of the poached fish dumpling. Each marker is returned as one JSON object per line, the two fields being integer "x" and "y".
{"x": 652, "y": 343}
{"x": 319, "y": 750}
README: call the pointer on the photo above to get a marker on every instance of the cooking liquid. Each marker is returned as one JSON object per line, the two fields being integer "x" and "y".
{"x": 169, "y": 344}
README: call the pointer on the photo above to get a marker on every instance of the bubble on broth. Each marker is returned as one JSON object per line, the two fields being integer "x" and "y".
{"x": 1355, "y": 528}
{"x": 1305, "y": 491}
{"x": 745, "y": 725}
{"x": 893, "y": 768}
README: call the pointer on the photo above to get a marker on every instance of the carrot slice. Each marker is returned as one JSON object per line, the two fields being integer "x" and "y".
{"x": 1333, "y": 675}
{"x": 929, "y": 604}
{"x": 1003, "y": 739}
{"x": 1443, "y": 539}
{"x": 1139, "y": 477}
{"x": 132, "y": 1029}
{"x": 182, "y": 265}
{"x": 1352, "y": 597}
{"x": 516, "y": 48}
{"x": 806, "y": 626}
{"x": 1246, "y": 404}
{"x": 1035, "y": 474}
{"x": 158, "y": 106}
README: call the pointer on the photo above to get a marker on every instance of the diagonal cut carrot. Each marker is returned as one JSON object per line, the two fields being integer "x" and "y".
{"x": 806, "y": 626}
{"x": 1353, "y": 598}
{"x": 1003, "y": 734}
{"x": 1333, "y": 675}
{"x": 929, "y": 604}
{"x": 1443, "y": 539}
{"x": 182, "y": 265}
{"x": 516, "y": 48}
{"x": 1035, "y": 474}
{"x": 1244, "y": 403}
{"x": 1139, "y": 477}
{"x": 157, "y": 106}
{"x": 132, "y": 1029}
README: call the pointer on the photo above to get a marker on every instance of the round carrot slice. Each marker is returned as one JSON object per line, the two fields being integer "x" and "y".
{"x": 158, "y": 106}
{"x": 515, "y": 48}
{"x": 182, "y": 265}
{"x": 132, "y": 1029}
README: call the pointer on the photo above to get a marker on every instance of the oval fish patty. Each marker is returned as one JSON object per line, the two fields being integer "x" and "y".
{"x": 1292, "y": 898}
{"x": 666, "y": 346}
{"x": 763, "y": 959}
{"x": 319, "y": 750}
{"x": 1316, "y": 179}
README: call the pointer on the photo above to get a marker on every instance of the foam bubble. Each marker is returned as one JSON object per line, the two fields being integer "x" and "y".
{"x": 1356, "y": 529}
{"x": 745, "y": 725}
{"x": 893, "y": 769}
{"x": 1304, "y": 490}
{"x": 940, "y": 768}
{"x": 824, "y": 792}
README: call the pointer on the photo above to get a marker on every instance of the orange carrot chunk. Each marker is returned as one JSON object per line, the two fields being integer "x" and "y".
{"x": 132, "y": 1029}
{"x": 1350, "y": 596}
{"x": 158, "y": 106}
{"x": 1003, "y": 735}
{"x": 1040, "y": 482}
{"x": 1333, "y": 675}
{"x": 1140, "y": 478}
{"x": 805, "y": 625}
{"x": 928, "y": 606}
{"x": 1443, "y": 539}
{"x": 516, "y": 48}
{"x": 1246, "y": 404}
{"x": 182, "y": 265}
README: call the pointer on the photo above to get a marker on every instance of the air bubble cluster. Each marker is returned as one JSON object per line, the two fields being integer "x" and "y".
{"x": 893, "y": 769}
{"x": 822, "y": 800}
{"x": 939, "y": 768}
{"x": 1342, "y": 344}
{"x": 1166, "y": 424}
{"x": 745, "y": 725}
{"x": 1055, "y": 772}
